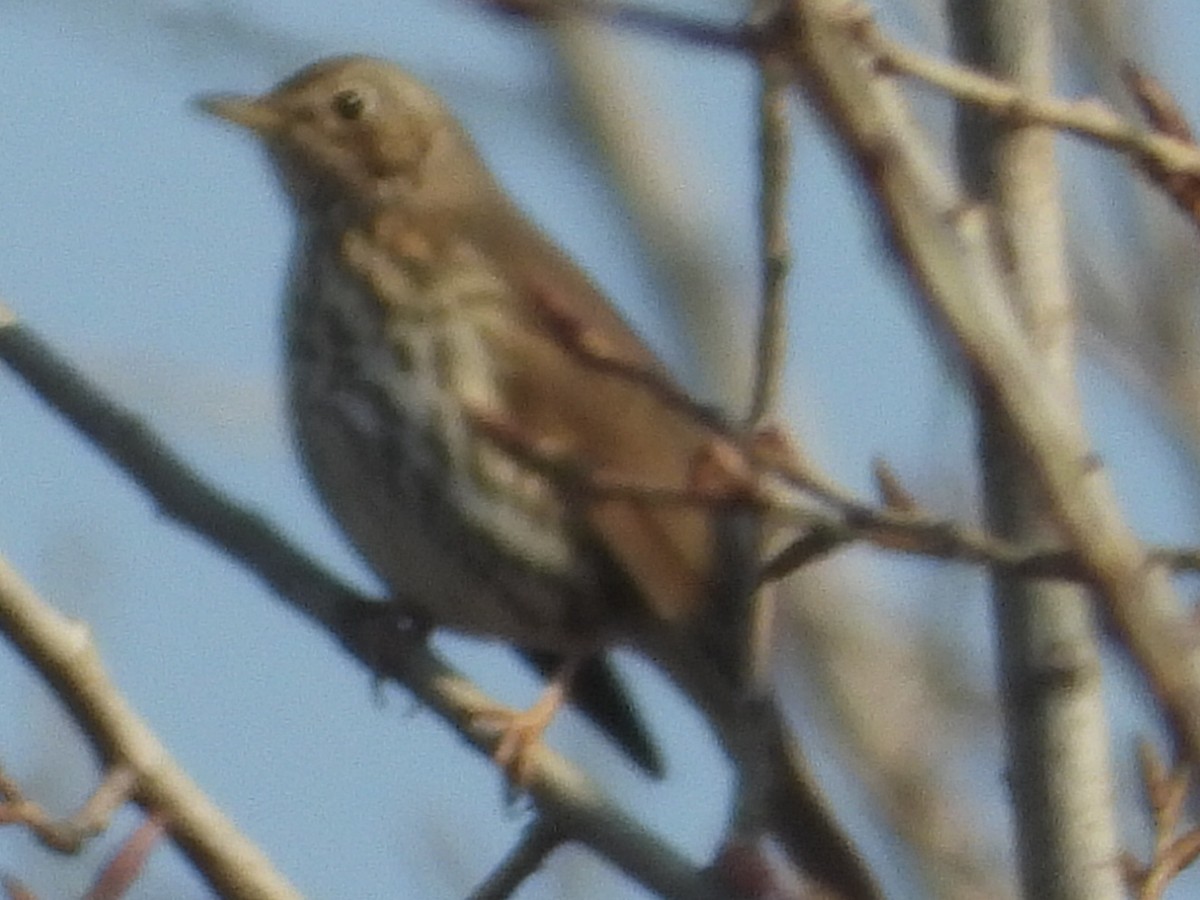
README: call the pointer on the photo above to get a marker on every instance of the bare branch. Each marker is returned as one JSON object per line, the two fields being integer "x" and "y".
{"x": 68, "y": 835}
{"x": 1166, "y": 118}
{"x": 946, "y": 245}
{"x": 127, "y": 863}
{"x": 774, "y": 159}
{"x": 1088, "y": 119}
{"x": 62, "y": 651}
{"x": 538, "y": 842}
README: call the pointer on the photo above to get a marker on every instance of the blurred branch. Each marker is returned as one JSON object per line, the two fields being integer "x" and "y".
{"x": 538, "y": 842}
{"x": 1175, "y": 846}
{"x": 1059, "y": 774}
{"x": 650, "y": 167}
{"x": 906, "y": 527}
{"x": 728, "y": 475}
{"x": 946, "y": 245}
{"x": 367, "y": 630}
{"x": 118, "y": 875}
{"x": 1139, "y": 296}
{"x": 660, "y": 23}
{"x": 1089, "y": 119}
{"x": 774, "y": 163}
{"x": 899, "y": 712}
{"x": 127, "y": 863}
{"x": 648, "y": 163}
{"x": 67, "y": 835}
{"x": 1165, "y": 117}
{"x": 63, "y": 652}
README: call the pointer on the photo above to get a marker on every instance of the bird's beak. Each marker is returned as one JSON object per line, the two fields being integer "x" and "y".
{"x": 254, "y": 113}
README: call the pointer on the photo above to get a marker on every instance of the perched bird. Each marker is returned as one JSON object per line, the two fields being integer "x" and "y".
{"x": 458, "y": 387}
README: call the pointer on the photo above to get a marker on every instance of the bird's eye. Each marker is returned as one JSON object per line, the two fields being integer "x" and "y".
{"x": 349, "y": 105}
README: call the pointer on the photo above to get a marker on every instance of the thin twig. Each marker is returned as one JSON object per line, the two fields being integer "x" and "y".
{"x": 1089, "y": 119}
{"x": 63, "y": 653}
{"x": 127, "y": 862}
{"x": 948, "y": 249}
{"x": 1164, "y": 115}
{"x": 908, "y": 530}
{"x": 774, "y": 158}
{"x": 538, "y": 842}
{"x": 656, "y": 22}
{"x": 1167, "y": 791}
{"x": 69, "y": 834}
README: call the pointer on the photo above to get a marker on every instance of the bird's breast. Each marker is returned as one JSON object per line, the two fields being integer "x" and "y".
{"x": 394, "y": 350}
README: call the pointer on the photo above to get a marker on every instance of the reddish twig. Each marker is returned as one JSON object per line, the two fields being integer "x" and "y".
{"x": 127, "y": 863}
{"x": 1166, "y": 118}
{"x": 1175, "y": 849}
{"x": 67, "y": 835}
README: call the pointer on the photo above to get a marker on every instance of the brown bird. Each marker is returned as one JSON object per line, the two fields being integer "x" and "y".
{"x": 458, "y": 387}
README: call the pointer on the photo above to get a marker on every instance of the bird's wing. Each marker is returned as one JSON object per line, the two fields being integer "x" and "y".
{"x": 609, "y": 417}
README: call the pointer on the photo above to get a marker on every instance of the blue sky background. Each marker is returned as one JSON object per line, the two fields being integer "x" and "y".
{"x": 149, "y": 244}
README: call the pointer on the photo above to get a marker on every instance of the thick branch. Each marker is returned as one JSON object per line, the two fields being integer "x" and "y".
{"x": 947, "y": 248}
{"x": 63, "y": 652}
{"x": 1059, "y": 779}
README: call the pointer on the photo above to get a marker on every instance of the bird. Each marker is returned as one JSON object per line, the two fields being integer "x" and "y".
{"x": 502, "y": 448}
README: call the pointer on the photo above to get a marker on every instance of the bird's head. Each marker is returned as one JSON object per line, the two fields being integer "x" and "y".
{"x": 360, "y": 131}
